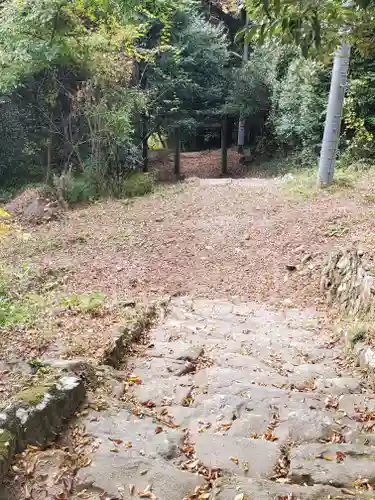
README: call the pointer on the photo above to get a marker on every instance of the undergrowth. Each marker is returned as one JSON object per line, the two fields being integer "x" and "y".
{"x": 72, "y": 189}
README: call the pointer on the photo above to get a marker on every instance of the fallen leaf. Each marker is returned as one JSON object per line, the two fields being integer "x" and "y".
{"x": 135, "y": 380}
{"x": 325, "y": 457}
{"x": 331, "y": 402}
{"x": 114, "y": 450}
{"x": 86, "y": 462}
{"x": 158, "y": 429}
{"x": 254, "y": 435}
{"x": 340, "y": 456}
{"x": 245, "y": 466}
{"x": 269, "y": 436}
{"x": 348, "y": 492}
{"x": 234, "y": 460}
{"x": 117, "y": 442}
{"x": 241, "y": 496}
{"x": 148, "y": 404}
{"x": 128, "y": 444}
{"x": 148, "y": 494}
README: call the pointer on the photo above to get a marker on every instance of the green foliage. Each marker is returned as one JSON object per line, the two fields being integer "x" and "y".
{"x": 252, "y": 85}
{"x": 19, "y": 304}
{"x": 299, "y": 105}
{"x": 189, "y": 82}
{"x": 91, "y": 304}
{"x": 71, "y": 189}
{"x": 22, "y": 312}
{"x": 313, "y": 26}
{"x": 137, "y": 184}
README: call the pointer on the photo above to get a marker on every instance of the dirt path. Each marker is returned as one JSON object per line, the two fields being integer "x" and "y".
{"x": 207, "y": 238}
{"x": 253, "y": 239}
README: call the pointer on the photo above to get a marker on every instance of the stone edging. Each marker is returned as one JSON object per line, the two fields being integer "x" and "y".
{"x": 37, "y": 415}
{"x": 365, "y": 356}
{"x": 125, "y": 335}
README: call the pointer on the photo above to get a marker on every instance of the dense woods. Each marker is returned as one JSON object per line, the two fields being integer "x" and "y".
{"x": 88, "y": 86}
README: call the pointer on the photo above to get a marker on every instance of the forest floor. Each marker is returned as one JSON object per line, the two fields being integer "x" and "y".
{"x": 257, "y": 239}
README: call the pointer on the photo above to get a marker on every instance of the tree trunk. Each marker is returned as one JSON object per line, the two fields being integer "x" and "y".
{"x": 144, "y": 143}
{"x": 49, "y": 159}
{"x": 177, "y": 155}
{"x": 241, "y": 122}
{"x": 332, "y": 126}
{"x": 224, "y": 146}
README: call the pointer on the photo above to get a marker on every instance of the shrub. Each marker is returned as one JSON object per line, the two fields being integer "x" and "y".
{"x": 137, "y": 184}
{"x": 70, "y": 189}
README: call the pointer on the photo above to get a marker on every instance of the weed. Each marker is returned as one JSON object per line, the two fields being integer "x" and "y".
{"x": 85, "y": 303}
{"x": 36, "y": 364}
{"x": 302, "y": 184}
{"x": 337, "y": 229}
{"x": 20, "y": 312}
{"x": 358, "y": 334}
{"x": 52, "y": 244}
{"x": 71, "y": 189}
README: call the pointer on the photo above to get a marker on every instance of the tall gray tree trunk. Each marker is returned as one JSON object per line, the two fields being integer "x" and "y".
{"x": 242, "y": 122}
{"x": 332, "y": 126}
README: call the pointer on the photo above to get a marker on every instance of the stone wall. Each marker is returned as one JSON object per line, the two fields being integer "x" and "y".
{"x": 347, "y": 282}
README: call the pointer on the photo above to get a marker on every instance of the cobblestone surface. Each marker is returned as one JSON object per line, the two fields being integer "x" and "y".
{"x": 233, "y": 401}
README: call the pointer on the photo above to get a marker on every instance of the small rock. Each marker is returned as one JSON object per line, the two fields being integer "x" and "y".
{"x": 291, "y": 267}
{"x": 118, "y": 390}
{"x": 306, "y": 258}
{"x": 287, "y": 303}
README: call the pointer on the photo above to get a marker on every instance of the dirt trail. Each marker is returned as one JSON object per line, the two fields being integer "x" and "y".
{"x": 250, "y": 238}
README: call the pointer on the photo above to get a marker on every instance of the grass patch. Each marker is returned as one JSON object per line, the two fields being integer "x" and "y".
{"x": 303, "y": 183}
{"x": 20, "y": 312}
{"x": 22, "y": 300}
{"x": 92, "y": 303}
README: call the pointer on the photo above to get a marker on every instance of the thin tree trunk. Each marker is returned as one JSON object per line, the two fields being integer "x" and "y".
{"x": 242, "y": 122}
{"x": 49, "y": 159}
{"x": 332, "y": 126}
{"x": 224, "y": 146}
{"x": 145, "y": 143}
{"x": 177, "y": 154}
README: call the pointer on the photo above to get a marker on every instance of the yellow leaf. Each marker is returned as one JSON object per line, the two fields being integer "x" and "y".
{"x": 3, "y": 213}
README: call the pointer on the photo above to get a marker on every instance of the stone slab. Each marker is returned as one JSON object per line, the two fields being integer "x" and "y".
{"x": 319, "y": 464}
{"x": 222, "y": 452}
